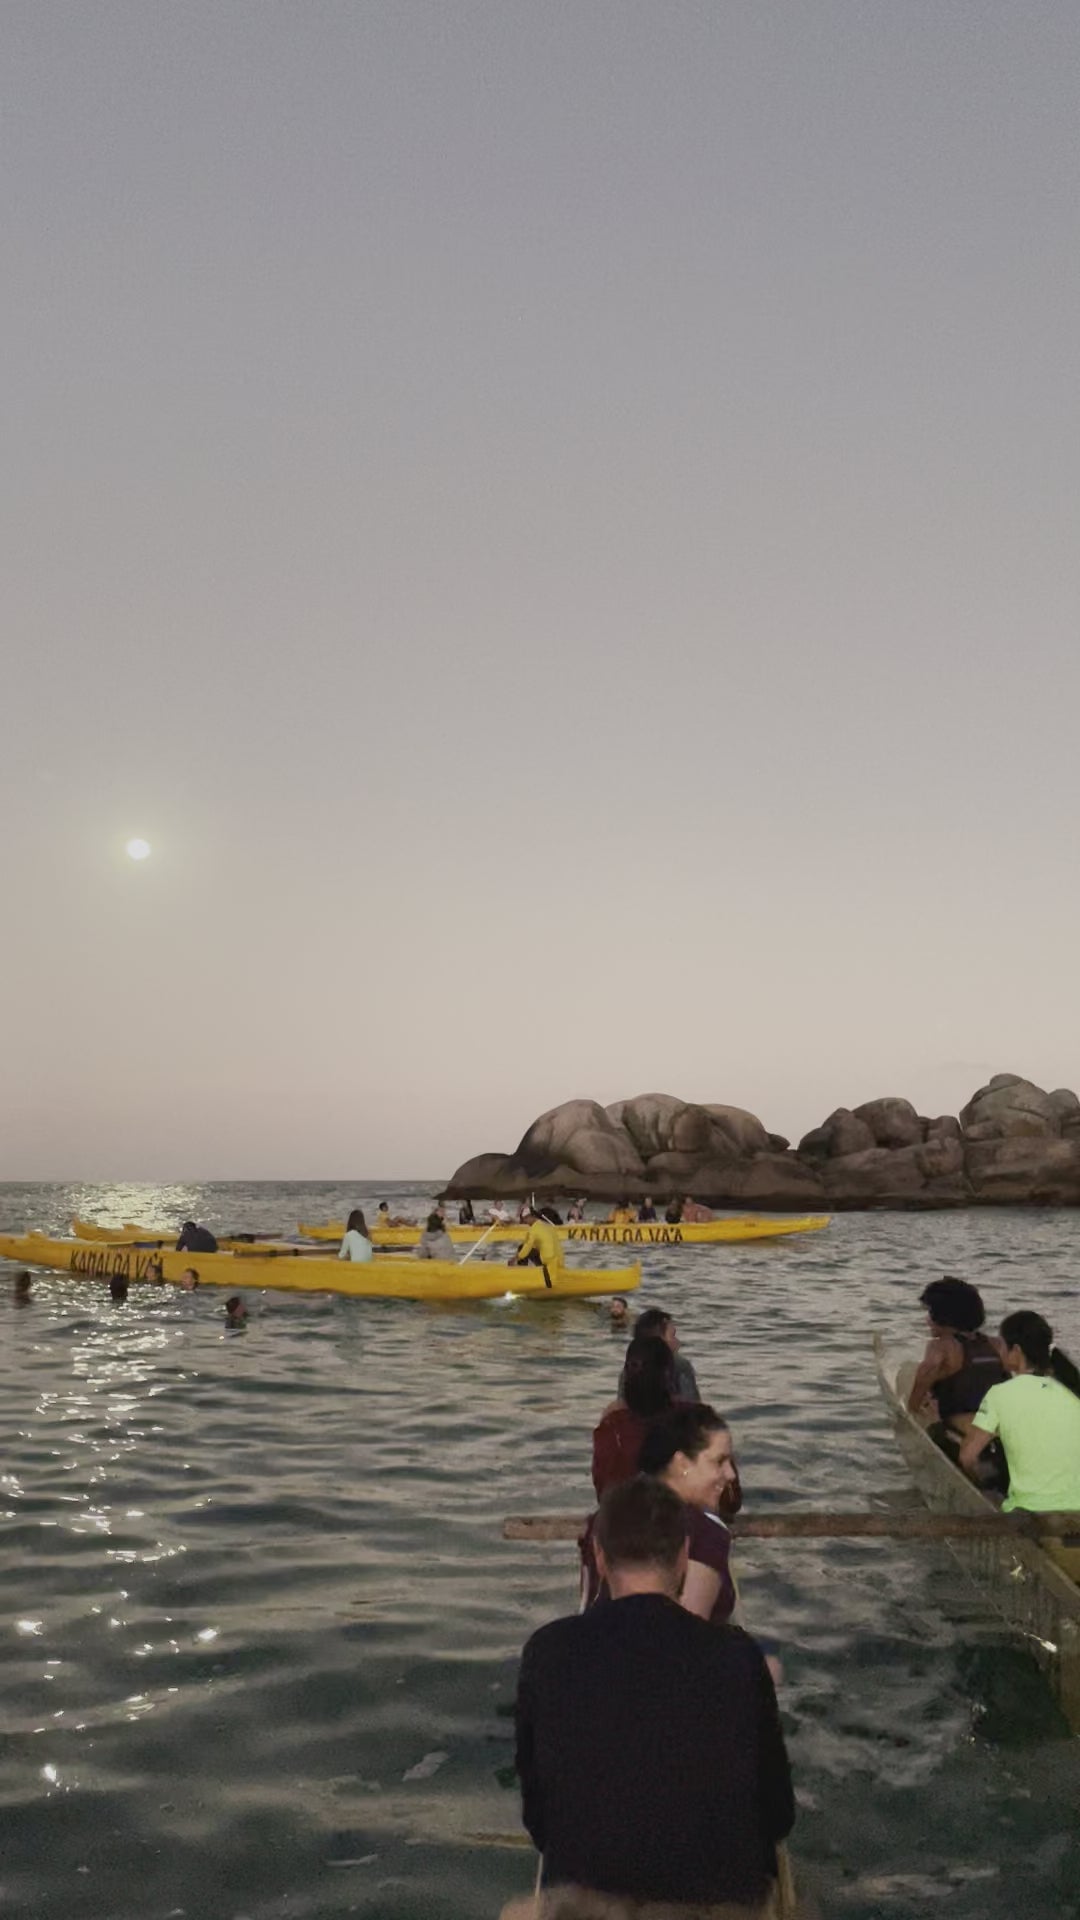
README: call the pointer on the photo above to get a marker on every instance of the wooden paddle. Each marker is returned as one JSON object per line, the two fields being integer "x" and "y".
{"x": 915, "y": 1525}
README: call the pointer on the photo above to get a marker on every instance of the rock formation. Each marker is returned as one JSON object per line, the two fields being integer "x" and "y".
{"x": 1012, "y": 1144}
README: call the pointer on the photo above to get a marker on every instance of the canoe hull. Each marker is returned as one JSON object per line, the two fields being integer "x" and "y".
{"x": 1036, "y": 1591}
{"x": 297, "y": 1272}
{"x": 596, "y": 1233}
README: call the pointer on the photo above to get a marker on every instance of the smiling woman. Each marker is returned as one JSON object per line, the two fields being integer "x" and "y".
{"x": 138, "y": 849}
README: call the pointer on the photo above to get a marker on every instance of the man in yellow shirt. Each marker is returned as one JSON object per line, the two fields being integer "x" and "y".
{"x": 541, "y": 1246}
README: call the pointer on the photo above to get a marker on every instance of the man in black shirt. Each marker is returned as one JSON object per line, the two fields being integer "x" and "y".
{"x": 195, "y": 1239}
{"x": 649, "y": 1748}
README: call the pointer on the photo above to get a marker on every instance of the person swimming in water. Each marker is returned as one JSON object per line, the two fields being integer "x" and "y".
{"x": 23, "y": 1286}
{"x": 189, "y": 1279}
{"x": 118, "y": 1288}
{"x": 235, "y": 1312}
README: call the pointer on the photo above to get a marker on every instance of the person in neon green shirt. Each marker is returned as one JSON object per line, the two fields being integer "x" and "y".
{"x": 1036, "y": 1416}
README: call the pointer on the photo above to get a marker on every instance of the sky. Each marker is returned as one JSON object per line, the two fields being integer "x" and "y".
{"x": 559, "y": 524}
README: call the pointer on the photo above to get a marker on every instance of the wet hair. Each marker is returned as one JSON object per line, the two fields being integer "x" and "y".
{"x": 687, "y": 1430}
{"x": 955, "y": 1304}
{"x": 234, "y": 1300}
{"x": 640, "y": 1523}
{"x": 118, "y": 1286}
{"x": 1035, "y": 1338}
{"x": 619, "y": 1300}
{"x": 653, "y": 1320}
{"x": 23, "y": 1281}
{"x": 435, "y": 1223}
{"x": 194, "y": 1277}
{"x": 356, "y": 1222}
{"x": 648, "y": 1386}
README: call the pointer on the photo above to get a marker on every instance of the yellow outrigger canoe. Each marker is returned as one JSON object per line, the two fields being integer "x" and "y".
{"x": 132, "y": 1235}
{"x": 599, "y": 1233}
{"x": 292, "y": 1270}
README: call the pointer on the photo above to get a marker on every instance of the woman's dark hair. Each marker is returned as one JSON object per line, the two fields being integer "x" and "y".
{"x": 654, "y": 1320}
{"x": 648, "y": 1385}
{"x": 955, "y": 1304}
{"x": 356, "y": 1222}
{"x": 1035, "y": 1338}
{"x": 435, "y": 1223}
{"x": 686, "y": 1430}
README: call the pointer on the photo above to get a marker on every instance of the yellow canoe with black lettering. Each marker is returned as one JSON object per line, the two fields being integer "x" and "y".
{"x": 599, "y": 1233}
{"x": 292, "y": 1270}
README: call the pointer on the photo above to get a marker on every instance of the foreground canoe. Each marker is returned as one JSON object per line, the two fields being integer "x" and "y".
{"x": 598, "y": 1233}
{"x": 1034, "y": 1588}
{"x": 294, "y": 1271}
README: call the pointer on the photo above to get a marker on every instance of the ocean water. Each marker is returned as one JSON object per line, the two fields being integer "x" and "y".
{"x": 259, "y": 1629}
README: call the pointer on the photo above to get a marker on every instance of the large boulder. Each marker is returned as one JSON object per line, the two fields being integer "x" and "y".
{"x": 580, "y": 1134}
{"x": 773, "y": 1182}
{"x": 879, "y": 1175}
{"x": 1009, "y": 1108}
{"x": 1024, "y": 1170}
{"x": 648, "y": 1119}
{"x": 840, "y": 1134}
{"x": 482, "y": 1174}
{"x": 743, "y": 1129}
{"x": 893, "y": 1122}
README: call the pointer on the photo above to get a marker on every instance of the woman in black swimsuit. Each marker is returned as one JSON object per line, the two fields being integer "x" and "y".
{"x": 961, "y": 1362}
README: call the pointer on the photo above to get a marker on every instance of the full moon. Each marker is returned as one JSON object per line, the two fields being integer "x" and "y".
{"x": 137, "y": 849}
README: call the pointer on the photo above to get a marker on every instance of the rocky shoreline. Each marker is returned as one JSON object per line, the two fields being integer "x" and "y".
{"x": 1013, "y": 1144}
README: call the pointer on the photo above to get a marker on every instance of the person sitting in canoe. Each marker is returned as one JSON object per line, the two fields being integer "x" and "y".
{"x": 435, "y": 1242}
{"x": 960, "y": 1363}
{"x": 195, "y": 1239}
{"x": 576, "y": 1210}
{"x": 673, "y": 1211}
{"x": 384, "y": 1217}
{"x": 356, "y": 1245}
{"x": 541, "y": 1246}
{"x": 1035, "y": 1414}
{"x": 646, "y": 1210}
{"x": 621, "y": 1215}
{"x": 465, "y": 1215}
{"x": 693, "y": 1212}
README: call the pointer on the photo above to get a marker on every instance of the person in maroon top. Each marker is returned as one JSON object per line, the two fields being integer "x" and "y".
{"x": 690, "y": 1451}
{"x": 648, "y": 1395}
{"x": 648, "y": 1390}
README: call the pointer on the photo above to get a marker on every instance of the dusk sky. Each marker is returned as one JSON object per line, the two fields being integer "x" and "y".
{"x": 558, "y": 521}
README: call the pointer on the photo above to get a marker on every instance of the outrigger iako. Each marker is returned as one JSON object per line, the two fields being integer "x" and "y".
{"x": 292, "y": 1270}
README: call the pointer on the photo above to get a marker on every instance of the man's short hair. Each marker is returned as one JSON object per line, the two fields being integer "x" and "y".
{"x": 641, "y": 1523}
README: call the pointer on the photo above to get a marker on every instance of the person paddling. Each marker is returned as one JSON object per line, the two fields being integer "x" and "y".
{"x": 541, "y": 1246}
{"x": 1035, "y": 1413}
